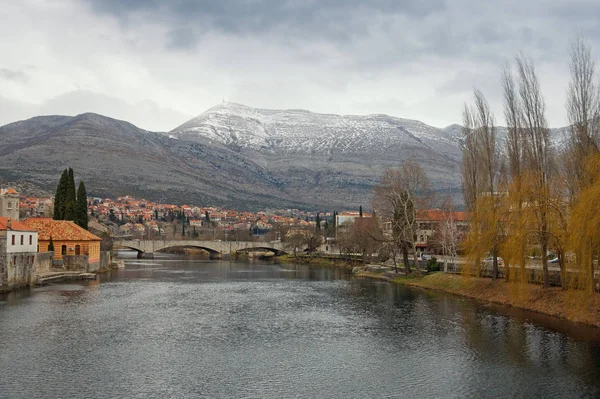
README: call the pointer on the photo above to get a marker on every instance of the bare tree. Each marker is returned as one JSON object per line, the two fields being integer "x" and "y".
{"x": 583, "y": 110}
{"x": 400, "y": 194}
{"x": 481, "y": 167}
{"x": 312, "y": 240}
{"x": 516, "y": 240}
{"x": 448, "y": 233}
{"x": 512, "y": 115}
{"x": 367, "y": 235}
{"x": 470, "y": 165}
{"x": 537, "y": 151}
{"x": 294, "y": 240}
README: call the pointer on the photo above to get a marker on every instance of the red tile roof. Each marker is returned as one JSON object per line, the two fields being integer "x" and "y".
{"x": 14, "y": 225}
{"x": 438, "y": 215}
{"x": 60, "y": 230}
{"x": 11, "y": 191}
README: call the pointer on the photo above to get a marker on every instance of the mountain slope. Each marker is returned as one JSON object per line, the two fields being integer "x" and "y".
{"x": 115, "y": 157}
{"x": 233, "y": 155}
{"x": 328, "y": 156}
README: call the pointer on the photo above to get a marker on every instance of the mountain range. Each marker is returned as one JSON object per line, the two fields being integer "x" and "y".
{"x": 231, "y": 155}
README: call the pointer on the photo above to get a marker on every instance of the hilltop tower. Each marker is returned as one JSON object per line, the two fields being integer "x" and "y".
{"x": 9, "y": 203}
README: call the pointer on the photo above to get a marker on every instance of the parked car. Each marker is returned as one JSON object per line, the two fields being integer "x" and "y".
{"x": 489, "y": 262}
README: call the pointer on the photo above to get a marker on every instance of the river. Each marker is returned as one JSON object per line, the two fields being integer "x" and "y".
{"x": 177, "y": 327}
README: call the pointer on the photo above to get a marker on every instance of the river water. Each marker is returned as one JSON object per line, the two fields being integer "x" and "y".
{"x": 177, "y": 327}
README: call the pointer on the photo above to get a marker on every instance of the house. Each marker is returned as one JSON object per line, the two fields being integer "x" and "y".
{"x": 74, "y": 247}
{"x": 18, "y": 251}
{"x": 9, "y": 203}
{"x": 196, "y": 222}
{"x": 348, "y": 218}
{"x": 429, "y": 222}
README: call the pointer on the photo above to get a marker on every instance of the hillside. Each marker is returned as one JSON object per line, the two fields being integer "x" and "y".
{"x": 323, "y": 156}
{"x": 231, "y": 155}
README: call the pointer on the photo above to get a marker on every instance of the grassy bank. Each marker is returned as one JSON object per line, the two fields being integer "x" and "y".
{"x": 575, "y": 306}
{"x": 318, "y": 261}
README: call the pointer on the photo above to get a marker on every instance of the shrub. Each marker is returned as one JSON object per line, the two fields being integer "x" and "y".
{"x": 433, "y": 265}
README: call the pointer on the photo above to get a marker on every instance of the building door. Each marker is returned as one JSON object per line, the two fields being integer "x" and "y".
{"x": 77, "y": 250}
{"x": 63, "y": 250}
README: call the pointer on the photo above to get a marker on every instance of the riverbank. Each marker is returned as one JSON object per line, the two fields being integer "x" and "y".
{"x": 320, "y": 261}
{"x": 576, "y": 306}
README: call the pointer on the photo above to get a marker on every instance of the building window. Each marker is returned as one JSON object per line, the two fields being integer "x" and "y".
{"x": 14, "y": 260}
{"x": 30, "y": 239}
{"x": 10, "y": 205}
{"x": 77, "y": 250}
{"x": 13, "y": 239}
{"x": 63, "y": 250}
{"x": 22, "y": 239}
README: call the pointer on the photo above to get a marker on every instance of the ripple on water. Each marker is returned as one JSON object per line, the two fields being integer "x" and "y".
{"x": 221, "y": 330}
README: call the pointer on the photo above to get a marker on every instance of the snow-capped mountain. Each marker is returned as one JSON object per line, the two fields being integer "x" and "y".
{"x": 329, "y": 156}
{"x": 234, "y": 155}
{"x": 300, "y": 131}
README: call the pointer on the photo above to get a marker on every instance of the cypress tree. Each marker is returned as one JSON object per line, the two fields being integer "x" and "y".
{"x": 70, "y": 197}
{"x": 81, "y": 214}
{"x": 318, "y": 220}
{"x": 206, "y": 217}
{"x": 360, "y": 214}
{"x": 51, "y": 245}
{"x": 59, "y": 197}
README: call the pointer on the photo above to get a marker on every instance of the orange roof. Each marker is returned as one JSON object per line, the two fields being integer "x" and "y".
{"x": 14, "y": 225}
{"x": 11, "y": 191}
{"x": 60, "y": 230}
{"x": 437, "y": 215}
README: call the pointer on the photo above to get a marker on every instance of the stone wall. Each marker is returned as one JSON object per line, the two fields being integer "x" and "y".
{"x": 21, "y": 269}
{"x": 3, "y": 266}
{"x": 105, "y": 259}
{"x": 75, "y": 262}
{"x": 43, "y": 262}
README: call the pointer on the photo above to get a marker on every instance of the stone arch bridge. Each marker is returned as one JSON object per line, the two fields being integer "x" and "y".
{"x": 214, "y": 248}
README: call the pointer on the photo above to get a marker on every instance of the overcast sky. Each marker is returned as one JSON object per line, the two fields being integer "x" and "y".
{"x": 156, "y": 63}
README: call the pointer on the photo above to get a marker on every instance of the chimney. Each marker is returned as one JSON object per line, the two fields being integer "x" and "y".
{"x": 9, "y": 224}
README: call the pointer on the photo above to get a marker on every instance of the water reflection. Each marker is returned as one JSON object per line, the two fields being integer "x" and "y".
{"x": 186, "y": 327}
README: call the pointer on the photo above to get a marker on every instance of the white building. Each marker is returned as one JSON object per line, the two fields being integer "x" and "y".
{"x": 18, "y": 251}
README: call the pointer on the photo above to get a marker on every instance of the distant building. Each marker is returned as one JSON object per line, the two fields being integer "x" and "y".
{"x": 9, "y": 203}
{"x": 348, "y": 218}
{"x": 68, "y": 240}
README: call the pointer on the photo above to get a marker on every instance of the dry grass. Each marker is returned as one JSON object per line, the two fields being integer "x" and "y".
{"x": 576, "y": 306}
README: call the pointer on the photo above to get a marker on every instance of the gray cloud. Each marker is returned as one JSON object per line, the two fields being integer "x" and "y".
{"x": 414, "y": 59}
{"x": 11, "y": 74}
{"x": 338, "y": 20}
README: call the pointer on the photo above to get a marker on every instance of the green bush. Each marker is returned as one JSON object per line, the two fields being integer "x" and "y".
{"x": 433, "y": 265}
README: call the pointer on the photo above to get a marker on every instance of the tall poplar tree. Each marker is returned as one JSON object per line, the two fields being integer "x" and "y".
{"x": 59, "y": 197}
{"x": 70, "y": 197}
{"x": 81, "y": 208}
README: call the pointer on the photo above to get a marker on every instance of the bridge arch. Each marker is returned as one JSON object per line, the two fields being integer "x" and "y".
{"x": 215, "y": 248}
{"x": 133, "y": 248}
{"x": 212, "y": 252}
{"x": 277, "y": 252}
